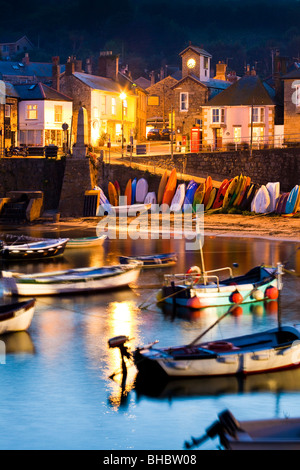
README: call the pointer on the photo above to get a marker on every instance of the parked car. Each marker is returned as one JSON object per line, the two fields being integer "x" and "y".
{"x": 166, "y": 134}
{"x": 154, "y": 134}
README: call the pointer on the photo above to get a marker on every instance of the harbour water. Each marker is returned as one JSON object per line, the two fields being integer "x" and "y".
{"x": 55, "y": 387}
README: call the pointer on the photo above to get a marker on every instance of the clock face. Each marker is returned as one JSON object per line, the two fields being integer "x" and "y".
{"x": 191, "y": 63}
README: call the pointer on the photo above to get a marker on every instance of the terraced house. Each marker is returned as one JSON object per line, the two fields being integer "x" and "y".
{"x": 240, "y": 116}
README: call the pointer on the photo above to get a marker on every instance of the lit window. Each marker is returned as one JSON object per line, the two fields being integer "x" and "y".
{"x": 124, "y": 108}
{"x": 258, "y": 134}
{"x": 103, "y": 104}
{"x": 184, "y": 101}
{"x": 205, "y": 63}
{"x": 237, "y": 134}
{"x": 58, "y": 113}
{"x": 296, "y": 95}
{"x": 32, "y": 111}
{"x": 113, "y": 106}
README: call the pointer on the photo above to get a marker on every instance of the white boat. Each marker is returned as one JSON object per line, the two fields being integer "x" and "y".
{"x": 200, "y": 289}
{"x": 270, "y": 350}
{"x": 86, "y": 242}
{"x": 71, "y": 281}
{"x": 16, "y": 316}
{"x": 265, "y": 434}
{"x": 28, "y": 250}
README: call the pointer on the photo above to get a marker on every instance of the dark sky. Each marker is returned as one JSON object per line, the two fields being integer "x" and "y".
{"x": 155, "y": 31}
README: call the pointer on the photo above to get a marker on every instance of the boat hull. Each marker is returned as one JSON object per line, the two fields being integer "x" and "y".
{"x": 209, "y": 296}
{"x": 17, "y": 318}
{"x": 31, "y": 251}
{"x": 209, "y": 359}
{"x": 87, "y": 242}
{"x": 64, "y": 283}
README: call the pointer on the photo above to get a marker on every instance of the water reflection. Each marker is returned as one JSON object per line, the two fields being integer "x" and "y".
{"x": 276, "y": 382}
{"x": 18, "y": 343}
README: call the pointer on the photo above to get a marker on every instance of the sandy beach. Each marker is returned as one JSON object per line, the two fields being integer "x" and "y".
{"x": 227, "y": 225}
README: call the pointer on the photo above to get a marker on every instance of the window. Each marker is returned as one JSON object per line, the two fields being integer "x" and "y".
{"x": 237, "y": 134}
{"x": 124, "y": 108}
{"x": 7, "y": 111}
{"x": 103, "y": 104}
{"x": 205, "y": 63}
{"x": 113, "y": 106}
{"x": 296, "y": 94}
{"x": 218, "y": 115}
{"x": 258, "y": 115}
{"x": 184, "y": 101}
{"x": 32, "y": 111}
{"x": 58, "y": 113}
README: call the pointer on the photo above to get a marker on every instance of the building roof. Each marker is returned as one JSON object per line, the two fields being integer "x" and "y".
{"x": 13, "y": 39}
{"x": 33, "y": 69}
{"x": 244, "y": 92}
{"x": 196, "y": 49}
{"x": 10, "y": 90}
{"x": 293, "y": 74}
{"x": 98, "y": 83}
{"x": 143, "y": 82}
{"x": 39, "y": 91}
{"x": 214, "y": 85}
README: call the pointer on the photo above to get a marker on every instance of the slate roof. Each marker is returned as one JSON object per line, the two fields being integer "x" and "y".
{"x": 294, "y": 74}
{"x": 246, "y": 91}
{"x": 214, "y": 85}
{"x": 39, "y": 91}
{"x": 33, "y": 69}
{"x": 98, "y": 83}
{"x": 10, "y": 90}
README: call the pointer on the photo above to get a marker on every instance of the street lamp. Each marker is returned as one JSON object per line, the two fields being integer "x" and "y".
{"x": 123, "y": 97}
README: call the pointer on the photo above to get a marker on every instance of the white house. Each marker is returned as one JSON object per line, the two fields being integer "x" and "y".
{"x": 241, "y": 114}
{"x": 42, "y": 112}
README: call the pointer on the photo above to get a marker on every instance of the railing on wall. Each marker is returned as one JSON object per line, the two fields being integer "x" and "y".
{"x": 213, "y": 145}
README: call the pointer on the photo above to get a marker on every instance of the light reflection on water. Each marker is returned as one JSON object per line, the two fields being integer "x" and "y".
{"x": 57, "y": 375}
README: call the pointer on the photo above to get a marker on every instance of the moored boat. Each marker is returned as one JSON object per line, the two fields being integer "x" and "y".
{"x": 152, "y": 261}
{"x": 86, "y": 242}
{"x": 198, "y": 289}
{"x": 29, "y": 250}
{"x": 270, "y": 350}
{"x": 71, "y": 281}
{"x": 16, "y": 316}
{"x": 264, "y": 434}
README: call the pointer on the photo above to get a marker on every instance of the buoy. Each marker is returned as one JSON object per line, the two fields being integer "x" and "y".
{"x": 257, "y": 295}
{"x": 271, "y": 293}
{"x": 194, "y": 302}
{"x": 236, "y": 297}
{"x": 194, "y": 270}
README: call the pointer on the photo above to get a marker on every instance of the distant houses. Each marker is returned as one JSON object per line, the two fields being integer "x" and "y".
{"x": 206, "y": 110}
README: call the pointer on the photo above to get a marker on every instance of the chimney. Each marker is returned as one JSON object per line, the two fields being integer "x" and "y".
{"x": 108, "y": 65}
{"x": 55, "y": 73}
{"x": 152, "y": 78}
{"x": 88, "y": 66}
{"x": 162, "y": 73}
{"x": 247, "y": 69}
{"x": 220, "y": 71}
{"x": 70, "y": 67}
{"x": 253, "y": 71}
{"x": 25, "y": 59}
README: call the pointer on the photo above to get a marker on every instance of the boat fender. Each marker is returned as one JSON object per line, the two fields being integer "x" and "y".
{"x": 194, "y": 302}
{"x": 236, "y": 297}
{"x": 195, "y": 270}
{"x": 271, "y": 293}
{"x": 220, "y": 346}
{"x": 257, "y": 295}
{"x": 117, "y": 341}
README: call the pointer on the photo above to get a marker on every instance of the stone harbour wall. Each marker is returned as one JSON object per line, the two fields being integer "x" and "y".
{"x": 263, "y": 166}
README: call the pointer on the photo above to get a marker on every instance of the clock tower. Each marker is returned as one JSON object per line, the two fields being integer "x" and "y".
{"x": 196, "y": 62}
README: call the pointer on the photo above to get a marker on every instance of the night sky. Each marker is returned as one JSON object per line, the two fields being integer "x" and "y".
{"x": 148, "y": 33}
